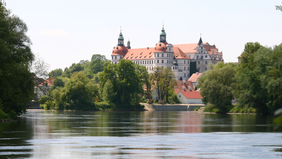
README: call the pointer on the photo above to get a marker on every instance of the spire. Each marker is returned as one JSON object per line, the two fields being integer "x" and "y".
{"x": 200, "y": 41}
{"x": 128, "y": 44}
{"x": 120, "y": 39}
{"x": 163, "y": 35}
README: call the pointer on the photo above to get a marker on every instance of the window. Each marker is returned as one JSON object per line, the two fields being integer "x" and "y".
{"x": 206, "y": 56}
{"x": 184, "y": 69}
{"x": 157, "y": 55}
{"x": 162, "y": 61}
{"x": 157, "y": 61}
{"x": 184, "y": 74}
{"x": 184, "y": 61}
{"x": 205, "y": 68}
{"x": 162, "y": 55}
{"x": 112, "y": 57}
{"x": 115, "y": 57}
{"x": 206, "y": 62}
{"x": 166, "y": 61}
{"x": 199, "y": 69}
{"x": 188, "y": 61}
{"x": 179, "y": 96}
{"x": 166, "y": 55}
{"x": 199, "y": 62}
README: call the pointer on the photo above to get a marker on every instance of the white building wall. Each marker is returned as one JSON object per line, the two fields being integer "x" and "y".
{"x": 184, "y": 100}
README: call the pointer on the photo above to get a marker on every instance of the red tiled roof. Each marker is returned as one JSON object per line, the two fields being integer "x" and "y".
{"x": 194, "y": 77}
{"x": 148, "y": 53}
{"x": 178, "y": 54}
{"x": 49, "y": 81}
{"x": 191, "y": 95}
{"x": 187, "y": 48}
{"x": 141, "y": 53}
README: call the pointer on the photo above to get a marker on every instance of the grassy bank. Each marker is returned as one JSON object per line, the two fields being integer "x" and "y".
{"x": 101, "y": 106}
{"x": 7, "y": 116}
{"x": 229, "y": 109}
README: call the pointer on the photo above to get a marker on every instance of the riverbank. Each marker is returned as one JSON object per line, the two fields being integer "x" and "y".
{"x": 171, "y": 107}
{"x": 201, "y": 110}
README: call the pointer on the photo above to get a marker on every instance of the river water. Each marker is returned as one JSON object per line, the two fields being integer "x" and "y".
{"x": 150, "y": 135}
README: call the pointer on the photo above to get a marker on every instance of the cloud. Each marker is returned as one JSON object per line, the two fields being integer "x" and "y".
{"x": 56, "y": 32}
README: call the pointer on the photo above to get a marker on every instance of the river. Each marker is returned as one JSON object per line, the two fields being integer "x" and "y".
{"x": 133, "y": 134}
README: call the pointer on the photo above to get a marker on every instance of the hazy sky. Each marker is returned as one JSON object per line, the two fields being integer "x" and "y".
{"x": 67, "y": 31}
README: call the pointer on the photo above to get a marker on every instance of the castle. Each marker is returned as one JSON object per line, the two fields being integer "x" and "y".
{"x": 183, "y": 59}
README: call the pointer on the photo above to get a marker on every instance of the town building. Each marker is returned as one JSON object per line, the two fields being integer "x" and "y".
{"x": 183, "y": 59}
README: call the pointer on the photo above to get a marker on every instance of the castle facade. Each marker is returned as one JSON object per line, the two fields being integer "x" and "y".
{"x": 183, "y": 59}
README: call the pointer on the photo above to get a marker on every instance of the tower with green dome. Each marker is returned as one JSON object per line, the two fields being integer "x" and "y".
{"x": 163, "y": 36}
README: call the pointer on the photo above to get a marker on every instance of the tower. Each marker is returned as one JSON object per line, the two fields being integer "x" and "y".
{"x": 128, "y": 45}
{"x": 163, "y": 35}
{"x": 120, "y": 39}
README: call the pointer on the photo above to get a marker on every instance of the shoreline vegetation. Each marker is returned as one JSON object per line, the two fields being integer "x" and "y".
{"x": 211, "y": 109}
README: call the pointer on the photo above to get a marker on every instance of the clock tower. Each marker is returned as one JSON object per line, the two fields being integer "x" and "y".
{"x": 120, "y": 40}
{"x": 163, "y": 36}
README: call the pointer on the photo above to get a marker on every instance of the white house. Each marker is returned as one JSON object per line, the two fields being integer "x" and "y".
{"x": 190, "y": 97}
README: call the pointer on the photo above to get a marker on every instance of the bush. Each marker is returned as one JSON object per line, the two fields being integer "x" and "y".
{"x": 238, "y": 109}
{"x": 144, "y": 100}
{"x": 43, "y": 99}
{"x": 196, "y": 109}
{"x": 104, "y": 106}
{"x": 12, "y": 115}
{"x": 3, "y": 115}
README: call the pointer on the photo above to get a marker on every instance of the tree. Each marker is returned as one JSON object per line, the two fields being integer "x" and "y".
{"x": 58, "y": 82}
{"x": 164, "y": 80}
{"x": 249, "y": 90}
{"x": 279, "y": 7}
{"x": 98, "y": 62}
{"x": 16, "y": 81}
{"x": 40, "y": 68}
{"x": 217, "y": 85}
{"x": 108, "y": 92}
{"x": 55, "y": 73}
{"x": 268, "y": 67}
{"x": 79, "y": 92}
{"x": 126, "y": 83}
{"x": 144, "y": 79}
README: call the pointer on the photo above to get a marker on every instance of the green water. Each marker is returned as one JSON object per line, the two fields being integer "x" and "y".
{"x": 158, "y": 134}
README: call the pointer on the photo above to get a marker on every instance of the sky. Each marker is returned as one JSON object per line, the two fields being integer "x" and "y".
{"x": 67, "y": 31}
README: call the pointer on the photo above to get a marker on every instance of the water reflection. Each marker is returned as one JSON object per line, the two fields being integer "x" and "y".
{"x": 156, "y": 134}
{"x": 13, "y": 139}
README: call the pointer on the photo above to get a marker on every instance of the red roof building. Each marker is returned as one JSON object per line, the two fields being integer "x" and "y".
{"x": 163, "y": 54}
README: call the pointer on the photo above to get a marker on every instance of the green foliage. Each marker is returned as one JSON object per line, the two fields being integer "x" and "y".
{"x": 238, "y": 109}
{"x": 55, "y": 73}
{"x": 196, "y": 109}
{"x": 43, "y": 99}
{"x": 164, "y": 80}
{"x": 172, "y": 98}
{"x": 108, "y": 92}
{"x": 126, "y": 84}
{"x": 16, "y": 81}
{"x": 279, "y": 7}
{"x": 259, "y": 78}
{"x": 3, "y": 115}
{"x": 104, "y": 106}
{"x": 217, "y": 85}
{"x": 58, "y": 82}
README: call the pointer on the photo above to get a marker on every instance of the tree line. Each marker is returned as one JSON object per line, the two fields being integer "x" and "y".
{"x": 119, "y": 86}
{"x": 256, "y": 82}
